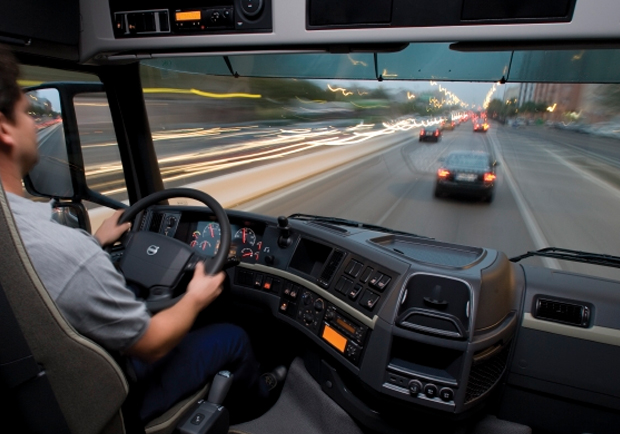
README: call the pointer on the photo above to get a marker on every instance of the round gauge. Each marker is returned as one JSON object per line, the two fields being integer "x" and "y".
{"x": 247, "y": 253}
{"x": 212, "y": 231}
{"x": 245, "y": 236}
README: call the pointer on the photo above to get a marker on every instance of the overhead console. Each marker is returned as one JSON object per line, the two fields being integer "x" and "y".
{"x": 139, "y": 18}
{"x": 325, "y": 14}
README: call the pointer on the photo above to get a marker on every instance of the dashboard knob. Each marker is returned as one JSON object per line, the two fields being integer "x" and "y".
{"x": 330, "y": 315}
{"x": 319, "y": 305}
{"x": 306, "y": 299}
{"x": 308, "y": 318}
{"x": 270, "y": 259}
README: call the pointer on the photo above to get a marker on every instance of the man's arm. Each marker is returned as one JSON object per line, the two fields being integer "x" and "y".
{"x": 169, "y": 326}
{"x": 110, "y": 230}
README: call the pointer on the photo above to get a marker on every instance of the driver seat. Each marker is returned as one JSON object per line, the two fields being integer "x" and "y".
{"x": 89, "y": 386}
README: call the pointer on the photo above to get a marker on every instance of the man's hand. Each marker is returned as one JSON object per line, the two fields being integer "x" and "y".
{"x": 203, "y": 289}
{"x": 169, "y": 326}
{"x": 110, "y": 230}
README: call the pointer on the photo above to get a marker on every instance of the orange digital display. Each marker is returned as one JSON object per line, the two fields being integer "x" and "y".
{"x": 334, "y": 338}
{"x": 188, "y": 16}
{"x": 345, "y": 326}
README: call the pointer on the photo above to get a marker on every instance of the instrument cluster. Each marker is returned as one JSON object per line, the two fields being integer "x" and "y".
{"x": 246, "y": 244}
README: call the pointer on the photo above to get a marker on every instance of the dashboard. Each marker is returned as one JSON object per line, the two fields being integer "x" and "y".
{"x": 415, "y": 320}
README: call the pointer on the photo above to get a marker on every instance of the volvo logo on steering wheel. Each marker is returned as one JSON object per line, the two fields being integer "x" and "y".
{"x": 152, "y": 250}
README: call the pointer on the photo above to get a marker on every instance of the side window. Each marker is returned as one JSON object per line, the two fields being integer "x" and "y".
{"x": 102, "y": 160}
{"x": 100, "y": 151}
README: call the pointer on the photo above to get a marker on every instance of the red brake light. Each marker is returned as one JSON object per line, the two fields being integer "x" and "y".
{"x": 436, "y": 132}
{"x": 489, "y": 177}
{"x": 443, "y": 173}
{"x": 422, "y": 132}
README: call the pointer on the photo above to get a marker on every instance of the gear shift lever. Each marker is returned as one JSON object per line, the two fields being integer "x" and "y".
{"x": 220, "y": 387}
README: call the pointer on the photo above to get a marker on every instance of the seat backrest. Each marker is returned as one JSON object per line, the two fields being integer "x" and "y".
{"x": 88, "y": 384}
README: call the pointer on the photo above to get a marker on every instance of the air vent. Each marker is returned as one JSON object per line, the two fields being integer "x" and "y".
{"x": 330, "y": 269}
{"x": 156, "y": 222}
{"x": 576, "y": 314}
{"x": 337, "y": 229}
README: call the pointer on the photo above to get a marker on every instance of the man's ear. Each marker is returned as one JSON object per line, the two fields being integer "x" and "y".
{"x": 6, "y": 132}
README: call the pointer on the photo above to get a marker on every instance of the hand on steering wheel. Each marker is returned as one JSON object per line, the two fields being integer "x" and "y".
{"x": 157, "y": 262}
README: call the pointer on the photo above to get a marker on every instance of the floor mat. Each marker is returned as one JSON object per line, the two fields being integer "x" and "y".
{"x": 303, "y": 408}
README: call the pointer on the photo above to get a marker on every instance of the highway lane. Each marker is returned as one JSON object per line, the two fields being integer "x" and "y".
{"x": 560, "y": 204}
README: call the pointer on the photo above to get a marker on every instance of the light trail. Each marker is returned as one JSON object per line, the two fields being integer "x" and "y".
{"x": 199, "y": 93}
{"x": 286, "y": 142}
{"x": 339, "y": 89}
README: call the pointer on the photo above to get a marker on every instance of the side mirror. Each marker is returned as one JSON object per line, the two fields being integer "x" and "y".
{"x": 60, "y": 173}
{"x": 51, "y": 177}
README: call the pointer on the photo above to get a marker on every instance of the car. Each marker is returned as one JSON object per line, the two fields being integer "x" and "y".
{"x": 467, "y": 173}
{"x": 393, "y": 311}
{"x": 481, "y": 126}
{"x": 448, "y": 125}
{"x": 429, "y": 135}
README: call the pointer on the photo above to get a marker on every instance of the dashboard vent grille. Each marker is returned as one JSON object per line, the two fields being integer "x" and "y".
{"x": 156, "y": 220}
{"x": 330, "y": 269}
{"x": 336, "y": 229}
{"x": 485, "y": 374}
{"x": 563, "y": 312}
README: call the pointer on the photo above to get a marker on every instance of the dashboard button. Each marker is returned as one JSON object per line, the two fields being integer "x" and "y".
{"x": 258, "y": 280}
{"x": 446, "y": 394}
{"x": 430, "y": 390}
{"x": 369, "y": 300}
{"x": 376, "y": 278}
{"x": 353, "y": 293}
{"x": 267, "y": 284}
{"x": 366, "y": 275}
{"x": 415, "y": 387}
{"x": 340, "y": 284}
{"x": 383, "y": 283}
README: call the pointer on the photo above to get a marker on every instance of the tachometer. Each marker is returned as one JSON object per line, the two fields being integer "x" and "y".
{"x": 212, "y": 231}
{"x": 245, "y": 236}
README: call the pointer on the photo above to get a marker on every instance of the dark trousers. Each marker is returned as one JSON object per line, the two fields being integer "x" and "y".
{"x": 192, "y": 364}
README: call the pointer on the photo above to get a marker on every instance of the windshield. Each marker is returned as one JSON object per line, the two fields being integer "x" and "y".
{"x": 351, "y": 147}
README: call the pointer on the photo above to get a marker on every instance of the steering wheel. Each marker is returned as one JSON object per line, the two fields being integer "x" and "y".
{"x": 156, "y": 262}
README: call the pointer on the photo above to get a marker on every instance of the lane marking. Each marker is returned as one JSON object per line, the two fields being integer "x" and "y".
{"x": 539, "y": 239}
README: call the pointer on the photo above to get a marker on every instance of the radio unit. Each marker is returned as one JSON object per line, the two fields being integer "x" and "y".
{"x": 140, "y": 18}
{"x": 344, "y": 334}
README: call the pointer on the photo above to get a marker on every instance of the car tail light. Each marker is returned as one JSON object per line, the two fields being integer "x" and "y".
{"x": 489, "y": 177}
{"x": 443, "y": 173}
{"x": 422, "y": 132}
{"x": 436, "y": 132}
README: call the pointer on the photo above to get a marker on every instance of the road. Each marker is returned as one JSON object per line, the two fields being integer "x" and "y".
{"x": 544, "y": 197}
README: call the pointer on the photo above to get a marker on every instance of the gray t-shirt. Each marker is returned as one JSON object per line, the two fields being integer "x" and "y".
{"x": 78, "y": 274}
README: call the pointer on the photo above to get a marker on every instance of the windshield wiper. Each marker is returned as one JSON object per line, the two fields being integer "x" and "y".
{"x": 352, "y": 223}
{"x": 572, "y": 255}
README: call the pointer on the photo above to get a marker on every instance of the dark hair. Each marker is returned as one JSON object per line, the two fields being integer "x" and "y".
{"x": 10, "y": 92}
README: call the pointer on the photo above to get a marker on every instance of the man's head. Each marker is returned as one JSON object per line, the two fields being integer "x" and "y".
{"x": 10, "y": 91}
{"x": 18, "y": 136}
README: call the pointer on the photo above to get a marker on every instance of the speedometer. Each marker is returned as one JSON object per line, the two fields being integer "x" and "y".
{"x": 245, "y": 236}
{"x": 212, "y": 231}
